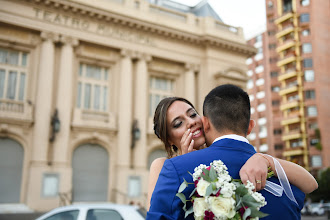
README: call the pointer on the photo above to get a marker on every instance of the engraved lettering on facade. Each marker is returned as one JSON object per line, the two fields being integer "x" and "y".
{"x": 101, "y": 29}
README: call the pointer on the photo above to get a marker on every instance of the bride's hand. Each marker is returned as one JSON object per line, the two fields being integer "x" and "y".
{"x": 187, "y": 143}
{"x": 255, "y": 170}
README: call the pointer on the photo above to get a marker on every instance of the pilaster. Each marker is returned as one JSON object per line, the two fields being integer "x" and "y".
{"x": 141, "y": 110}
{"x": 64, "y": 102}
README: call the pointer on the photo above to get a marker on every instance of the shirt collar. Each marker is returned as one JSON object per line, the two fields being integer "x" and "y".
{"x": 232, "y": 136}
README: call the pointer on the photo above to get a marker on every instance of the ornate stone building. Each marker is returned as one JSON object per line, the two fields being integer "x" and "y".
{"x": 79, "y": 82}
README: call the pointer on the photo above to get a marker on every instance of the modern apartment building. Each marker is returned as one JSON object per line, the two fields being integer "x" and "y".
{"x": 296, "y": 80}
{"x": 79, "y": 82}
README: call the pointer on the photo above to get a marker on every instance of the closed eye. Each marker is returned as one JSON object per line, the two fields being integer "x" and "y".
{"x": 177, "y": 124}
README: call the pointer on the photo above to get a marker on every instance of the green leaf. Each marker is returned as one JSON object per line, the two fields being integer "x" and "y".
{"x": 192, "y": 193}
{"x": 249, "y": 201}
{"x": 213, "y": 174}
{"x": 247, "y": 213}
{"x": 238, "y": 203}
{"x": 189, "y": 211}
{"x": 257, "y": 213}
{"x": 209, "y": 190}
{"x": 241, "y": 190}
{"x": 182, "y": 197}
{"x": 183, "y": 185}
{"x": 206, "y": 175}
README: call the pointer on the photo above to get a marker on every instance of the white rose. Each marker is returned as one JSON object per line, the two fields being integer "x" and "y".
{"x": 222, "y": 207}
{"x": 200, "y": 206}
{"x": 202, "y": 186}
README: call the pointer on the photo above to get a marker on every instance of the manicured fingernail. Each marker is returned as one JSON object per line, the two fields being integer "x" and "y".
{"x": 188, "y": 129}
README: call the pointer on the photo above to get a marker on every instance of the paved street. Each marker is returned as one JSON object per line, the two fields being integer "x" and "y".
{"x": 304, "y": 217}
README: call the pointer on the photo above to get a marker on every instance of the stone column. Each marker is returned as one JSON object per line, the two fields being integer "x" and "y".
{"x": 125, "y": 109}
{"x": 141, "y": 110}
{"x": 43, "y": 107}
{"x": 124, "y": 126}
{"x": 64, "y": 102}
{"x": 43, "y": 112}
{"x": 190, "y": 83}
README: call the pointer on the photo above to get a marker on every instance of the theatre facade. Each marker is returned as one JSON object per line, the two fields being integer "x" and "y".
{"x": 79, "y": 83}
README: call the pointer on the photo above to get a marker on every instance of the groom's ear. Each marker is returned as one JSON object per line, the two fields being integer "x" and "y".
{"x": 206, "y": 124}
{"x": 251, "y": 126}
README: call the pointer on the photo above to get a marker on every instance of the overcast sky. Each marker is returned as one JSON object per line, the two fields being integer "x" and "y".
{"x": 248, "y": 14}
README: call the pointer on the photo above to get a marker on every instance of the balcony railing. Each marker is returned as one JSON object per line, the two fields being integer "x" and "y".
{"x": 16, "y": 109}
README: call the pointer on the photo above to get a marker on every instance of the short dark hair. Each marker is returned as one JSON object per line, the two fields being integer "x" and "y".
{"x": 160, "y": 120}
{"x": 228, "y": 108}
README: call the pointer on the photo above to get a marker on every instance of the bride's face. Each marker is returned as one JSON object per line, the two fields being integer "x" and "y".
{"x": 180, "y": 117}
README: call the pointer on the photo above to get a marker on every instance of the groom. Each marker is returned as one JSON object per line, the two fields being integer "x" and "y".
{"x": 226, "y": 123}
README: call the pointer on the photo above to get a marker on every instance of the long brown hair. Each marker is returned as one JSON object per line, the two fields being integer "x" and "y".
{"x": 160, "y": 119}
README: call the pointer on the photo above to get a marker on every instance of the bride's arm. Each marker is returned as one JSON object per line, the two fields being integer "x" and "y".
{"x": 297, "y": 175}
{"x": 155, "y": 168}
{"x": 254, "y": 169}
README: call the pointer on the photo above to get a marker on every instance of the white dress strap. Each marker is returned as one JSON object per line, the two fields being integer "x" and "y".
{"x": 283, "y": 181}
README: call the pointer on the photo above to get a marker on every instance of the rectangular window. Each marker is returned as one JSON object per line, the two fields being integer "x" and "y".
{"x": 259, "y": 69}
{"x": 275, "y": 103}
{"x": 308, "y": 63}
{"x": 309, "y": 75}
{"x": 278, "y": 146}
{"x": 304, "y": 2}
{"x": 310, "y": 94}
{"x": 277, "y": 131}
{"x": 159, "y": 88}
{"x": 306, "y": 32}
{"x": 13, "y": 73}
{"x": 134, "y": 186}
{"x": 307, "y": 48}
{"x": 311, "y": 111}
{"x": 272, "y": 46}
{"x": 50, "y": 185}
{"x": 271, "y": 33}
{"x": 273, "y": 74}
{"x": 316, "y": 161}
{"x": 304, "y": 17}
{"x": 92, "y": 89}
{"x": 275, "y": 88}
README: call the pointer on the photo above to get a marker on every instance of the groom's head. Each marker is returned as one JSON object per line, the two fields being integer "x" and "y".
{"x": 227, "y": 109}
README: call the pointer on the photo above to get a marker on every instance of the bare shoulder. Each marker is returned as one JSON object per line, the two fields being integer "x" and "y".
{"x": 157, "y": 164}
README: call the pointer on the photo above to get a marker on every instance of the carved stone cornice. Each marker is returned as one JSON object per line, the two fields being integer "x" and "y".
{"x": 192, "y": 67}
{"x": 49, "y": 36}
{"x": 143, "y": 56}
{"x": 69, "y": 40}
{"x": 115, "y": 18}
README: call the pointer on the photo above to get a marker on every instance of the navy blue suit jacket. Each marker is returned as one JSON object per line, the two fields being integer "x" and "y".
{"x": 166, "y": 205}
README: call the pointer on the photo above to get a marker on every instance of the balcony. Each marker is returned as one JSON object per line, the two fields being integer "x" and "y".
{"x": 288, "y": 74}
{"x": 293, "y": 152}
{"x": 289, "y": 104}
{"x": 18, "y": 111}
{"x": 285, "y": 17}
{"x": 291, "y": 119}
{"x": 292, "y": 134}
{"x": 287, "y": 60}
{"x": 289, "y": 89}
{"x": 286, "y": 45}
{"x": 94, "y": 119}
{"x": 287, "y": 30}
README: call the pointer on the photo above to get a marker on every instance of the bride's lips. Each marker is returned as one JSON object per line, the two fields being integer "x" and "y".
{"x": 197, "y": 133}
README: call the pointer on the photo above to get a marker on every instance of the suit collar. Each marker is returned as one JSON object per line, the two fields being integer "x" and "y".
{"x": 229, "y": 143}
{"x": 232, "y": 136}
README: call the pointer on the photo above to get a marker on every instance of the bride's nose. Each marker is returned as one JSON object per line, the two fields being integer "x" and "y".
{"x": 191, "y": 123}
